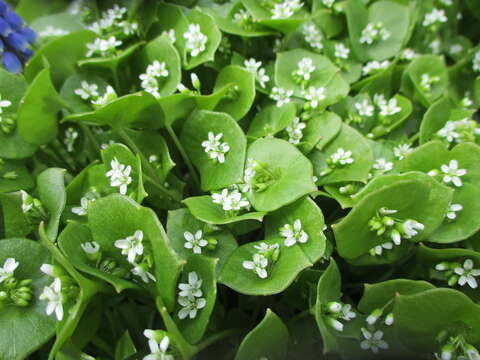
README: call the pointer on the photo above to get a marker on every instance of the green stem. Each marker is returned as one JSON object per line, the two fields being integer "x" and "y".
{"x": 187, "y": 350}
{"x": 217, "y": 337}
{"x": 116, "y": 81}
{"x": 153, "y": 176}
{"x": 183, "y": 153}
{"x": 414, "y": 138}
{"x": 91, "y": 138}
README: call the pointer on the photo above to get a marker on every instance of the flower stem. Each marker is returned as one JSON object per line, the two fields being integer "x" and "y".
{"x": 216, "y": 337}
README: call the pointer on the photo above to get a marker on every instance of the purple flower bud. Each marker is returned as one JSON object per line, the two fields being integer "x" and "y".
{"x": 27, "y": 54}
{"x": 2, "y": 47}
{"x": 12, "y": 63}
{"x": 17, "y": 41}
{"x": 13, "y": 19}
{"x": 29, "y": 34}
{"x": 5, "y": 28}
{"x": 3, "y": 7}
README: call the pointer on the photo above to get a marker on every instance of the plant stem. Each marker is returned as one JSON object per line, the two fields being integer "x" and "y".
{"x": 217, "y": 337}
{"x": 91, "y": 138}
{"x": 187, "y": 350}
{"x": 153, "y": 176}
{"x": 187, "y": 161}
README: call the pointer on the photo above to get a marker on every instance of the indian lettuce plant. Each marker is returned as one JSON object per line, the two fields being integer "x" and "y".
{"x": 239, "y": 179}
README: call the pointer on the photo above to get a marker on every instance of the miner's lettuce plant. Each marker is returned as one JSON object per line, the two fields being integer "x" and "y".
{"x": 275, "y": 179}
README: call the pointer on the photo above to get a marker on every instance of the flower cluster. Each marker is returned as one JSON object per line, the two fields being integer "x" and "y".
{"x": 281, "y": 96}
{"x": 340, "y": 158}
{"x": 231, "y": 199}
{"x": 457, "y": 348}
{"x": 285, "y": 9}
{"x": 138, "y": 255}
{"x": 12, "y": 291}
{"x": 190, "y": 297}
{"x": 426, "y": 82}
{"x": 374, "y": 32}
{"x": 450, "y": 173}
{"x": 214, "y": 148}
{"x": 459, "y": 131}
{"x": 111, "y": 27}
{"x": 335, "y": 311}
{"x": 293, "y": 234}
{"x": 158, "y": 344}
{"x": 151, "y": 78}
{"x": 89, "y": 92}
{"x": 392, "y": 229}
{"x": 15, "y": 39}
{"x": 7, "y": 123}
{"x": 456, "y": 273}
{"x": 196, "y": 41}
{"x": 313, "y": 36}
{"x": 381, "y": 108}
{"x": 304, "y": 71}
{"x": 265, "y": 256}
{"x": 435, "y": 17}
{"x": 119, "y": 175}
{"x": 260, "y": 73}
{"x": 85, "y": 201}
{"x": 295, "y": 131}
{"x": 374, "y": 66}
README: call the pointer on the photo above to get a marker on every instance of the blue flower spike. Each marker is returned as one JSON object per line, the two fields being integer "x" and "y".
{"x": 15, "y": 40}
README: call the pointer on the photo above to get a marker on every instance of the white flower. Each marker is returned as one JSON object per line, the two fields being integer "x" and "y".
{"x": 264, "y": 248}
{"x": 435, "y": 16}
{"x": 452, "y": 211}
{"x": 106, "y": 98}
{"x": 294, "y": 131}
{"x": 193, "y": 288}
{"x": 281, "y": 95}
{"x": 8, "y": 269}
{"x": 314, "y": 96}
{"x": 131, "y": 245}
{"x": 342, "y": 157}
{"x": 47, "y": 269}
{"x": 53, "y": 294}
{"x": 476, "y": 62}
{"x": 389, "y": 319}
{"x": 70, "y": 137}
{"x": 449, "y": 131}
{"x": 364, "y": 108}
{"x": 426, "y": 81}
{"x": 215, "y": 149}
{"x": 90, "y": 247}
{"x": 4, "y": 104}
{"x": 435, "y": 46}
{"x": 408, "y": 54}
{"x": 155, "y": 69}
{"x": 248, "y": 175}
{"x": 102, "y": 46}
{"x": 341, "y": 51}
{"x": 230, "y": 200}
{"x": 455, "y": 49}
{"x": 196, "y": 40}
{"x": 87, "y": 91}
{"x": 313, "y": 36}
{"x": 190, "y": 306}
{"x": 258, "y": 265}
{"x": 260, "y": 73}
{"x": 294, "y": 233}
{"x": 402, "y": 150}
{"x": 390, "y": 108}
{"x": 374, "y": 65}
{"x": 170, "y": 34}
{"x": 158, "y": 350}
{"x": 466, "y": 101}
{"x": 51, "y": 31}
{"x": 305, "y": 68}
{"x": 116, "y": 12}
{"x": 467, "y": 274}
{"x": 373, "y": 341}
{"x": 383, "y": 165}
{"x": 410, "y": 228}
{"x": 378, "y": 250}
{"x": 452, "y": 173}
{"x": 373, "y": 32}
{"x": 328, "y": 3}
{"x": 140, "y": 271}
{"x": 347, "y": 312}
{"x": 285, "y": 9}
{"x": 129, "y": 28}
{"x": 194, "y": 242}
{"x": 119, "y": 175}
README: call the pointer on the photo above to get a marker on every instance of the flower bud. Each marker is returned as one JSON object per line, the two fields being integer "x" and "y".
{"x": 442, "y": 266}
{"x": 389, "y": 319}
{"x": 212, "y": 243}
{"x": 447, "y": 352}
{"x": 334, "y": 323}
{"x": 195, "y": 81}
{"x": 373, "y": 317}
{"x": 334, "y": 307}
{"x": 452, "y": 280}
{"x": 3, "y": 295}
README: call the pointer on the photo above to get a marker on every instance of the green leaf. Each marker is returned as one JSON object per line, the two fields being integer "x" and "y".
{"x": 22, "y": 180}
{"x": 75, "y": 102}
{"x": 62, "y": 54}
{"x": 63, "y": 21}
{"x": 414, "y": 199}
{"x": 140, "y": 110}
{"x": 179, "y": 221}
{"x": 51, "y": 191}
{"x": 12, "y": 88}
{"x": 437, "y": 310}
{"x": 349, "y": 140}
{"x": 116, "y": 217}
{"x": 325, "y": 75}
{"x": 331, "y": 127}
{"x": 243, "y": 90}
{"x": 292, "y": 174}
{"x": 125, "y": 157}
{"x": 215, "y": 175}
{"x": 37, "y": 114}
{"x": 271, "y": 120}
{"x": 194, "y": 329}
{"x": 25, "y": 329}
{"x": 281, "y": 274}
{"x": 312, "y": 221}
{"x": 125, "y": 347}
{"x": 269, "y": 339}
{"x": 205, "y": 210}
{"x": 12, "y": 220}
{"x": 70, "y": 241}
{"x": 162, "y": 50}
